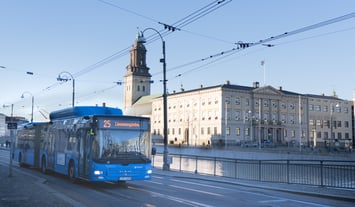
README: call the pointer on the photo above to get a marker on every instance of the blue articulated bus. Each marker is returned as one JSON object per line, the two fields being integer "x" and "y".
{"x": 95, "y": 144}
{"x": 28, "y": 142}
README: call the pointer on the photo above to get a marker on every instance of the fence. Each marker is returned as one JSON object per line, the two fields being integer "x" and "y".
{"x": 325, "y": 173}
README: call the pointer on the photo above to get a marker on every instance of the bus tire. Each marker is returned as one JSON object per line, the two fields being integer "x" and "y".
{"x": 43, "y": 165}
{"x": 71, "y": 171}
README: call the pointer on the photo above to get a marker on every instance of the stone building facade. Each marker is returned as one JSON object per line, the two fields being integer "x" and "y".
{"x": 230, "y": 114}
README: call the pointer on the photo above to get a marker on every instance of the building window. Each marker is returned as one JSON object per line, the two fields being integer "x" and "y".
{"x": 338, "y": 123}
{"x": 247, "y": 131}
{"x": 208, "y": 130}
{"x": 237, "y": 101}
{"x": 237, "y": 115}
{"x": 339, "y": 135}
{"x": 325, "y": 108}
{"x": 274, "y": 104}
{"x": 228, "y": 131}
{"x": 202, "y": 131}
{"x": 311, "y": 122}
{"x": 347, "y": 135}
{"x": 317, "y": 107}
{"x": 283, "y": 105}
{"x": 293, "y": 133}
{"x": 247, "y": 102}
{"x": 215, "y": 131}
{"x": 326, "y": 135}
{"x": 319, "y": 122}
{"x": 338, "y": 109}
{"x": 237, "y": 131}
{"x": 266, "y": 103}
{"x": 319, "y": 134}
{"x": 138, "y": 88}
{"x": 346, "y": 124}
{"x": 346, "y": 110}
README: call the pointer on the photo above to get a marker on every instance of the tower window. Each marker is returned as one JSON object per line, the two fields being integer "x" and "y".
{"x": 138, "y": 88}
{"x": 143, "y": 87}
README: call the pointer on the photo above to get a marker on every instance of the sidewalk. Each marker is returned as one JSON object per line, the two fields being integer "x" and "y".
{"x": 332, "y": 193}
{"x": 24, "y": 189}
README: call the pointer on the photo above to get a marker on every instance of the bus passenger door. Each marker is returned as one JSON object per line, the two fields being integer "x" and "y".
{"x": 84, "y": 149}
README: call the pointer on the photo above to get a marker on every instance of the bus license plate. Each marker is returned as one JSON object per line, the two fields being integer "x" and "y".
{"x": 125, "y": 178}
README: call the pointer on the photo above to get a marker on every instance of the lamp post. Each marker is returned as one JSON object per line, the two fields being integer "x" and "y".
{"x": 33, "y": 101}
{"x": 166, "y": 164}
{"x": 331, "y": 119}
{"x": 12, "y": 135}
{"x": 226, "y": 121}
{"x": 63, "y": 76}
{"x": 251, "y": 125}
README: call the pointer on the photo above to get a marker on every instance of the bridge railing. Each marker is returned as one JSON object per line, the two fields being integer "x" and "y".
{"x": 324, "y": 173}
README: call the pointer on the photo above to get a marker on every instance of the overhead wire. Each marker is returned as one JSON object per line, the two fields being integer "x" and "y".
{"x": 260, "y": 42}
{"x": 194, "y": 16}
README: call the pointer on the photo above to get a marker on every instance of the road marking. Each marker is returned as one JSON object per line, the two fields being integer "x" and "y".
{"x": 149, "y": 181}
{"x": 194, "y": 190}
{"x": 173, "y": 198}
{"x": 280, "y": 199}
{"x": 204, "y": 185}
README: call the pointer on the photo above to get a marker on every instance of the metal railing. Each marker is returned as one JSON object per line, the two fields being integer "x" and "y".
{"x": 324, "y": 173}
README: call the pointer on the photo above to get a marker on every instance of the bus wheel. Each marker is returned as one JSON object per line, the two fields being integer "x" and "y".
{"x": 43, "y": 165}
{"x": 71, "y": 171}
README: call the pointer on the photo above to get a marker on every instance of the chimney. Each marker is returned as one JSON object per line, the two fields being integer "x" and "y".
{"x": 280, "y": 88}
{"x": 104, "y": 104}
{"x": 227, "y": 82}
{"x": 256, "y": 84}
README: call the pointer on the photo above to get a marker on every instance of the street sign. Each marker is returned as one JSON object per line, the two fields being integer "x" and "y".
{"x": 12, "y": 125}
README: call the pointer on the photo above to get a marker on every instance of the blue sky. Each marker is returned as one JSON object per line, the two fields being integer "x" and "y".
{"x": 49, "y": 37}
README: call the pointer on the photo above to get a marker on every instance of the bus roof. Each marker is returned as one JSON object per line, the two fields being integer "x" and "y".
{"x": 79, "y": 111}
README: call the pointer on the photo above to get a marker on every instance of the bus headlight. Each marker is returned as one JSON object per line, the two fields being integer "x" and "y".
{"x": 98, "y": 172}
{"x": 149, "y": 171}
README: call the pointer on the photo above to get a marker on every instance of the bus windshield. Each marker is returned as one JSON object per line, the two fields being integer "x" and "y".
{"x": 121, "y": 146}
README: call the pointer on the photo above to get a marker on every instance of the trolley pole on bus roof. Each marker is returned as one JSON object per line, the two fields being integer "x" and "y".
{"x": 166, "y": 163}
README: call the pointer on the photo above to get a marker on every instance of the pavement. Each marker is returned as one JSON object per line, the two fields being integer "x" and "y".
{"x": 24, "y": 189}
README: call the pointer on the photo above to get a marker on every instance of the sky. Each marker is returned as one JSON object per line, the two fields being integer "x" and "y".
{"x": 89, "y": 41}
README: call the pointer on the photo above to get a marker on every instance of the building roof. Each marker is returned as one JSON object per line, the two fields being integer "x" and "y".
{"x": 147, "y": 99}
{"x": 236, "y": 87}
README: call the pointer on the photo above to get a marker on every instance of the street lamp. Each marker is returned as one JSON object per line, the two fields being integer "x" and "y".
{"x": 33, "y": 101}
{"x": 63, "y": 76}
{"x": 331, "y": 118}
{"x": 166, "y": 164}
{"x": 251, "y": 125}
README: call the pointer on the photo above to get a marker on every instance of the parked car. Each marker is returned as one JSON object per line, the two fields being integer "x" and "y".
{"x": 249, "y": 144}
{"x": 268, "y": 143}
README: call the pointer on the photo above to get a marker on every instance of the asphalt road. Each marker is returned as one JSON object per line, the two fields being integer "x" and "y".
{"x": 169, "y": 190}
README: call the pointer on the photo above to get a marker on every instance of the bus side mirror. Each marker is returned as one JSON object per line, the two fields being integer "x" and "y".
{"x": 154, "y": 151}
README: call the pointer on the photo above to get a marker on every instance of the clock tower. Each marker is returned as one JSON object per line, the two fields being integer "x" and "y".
{"x": 137, "y": 79}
